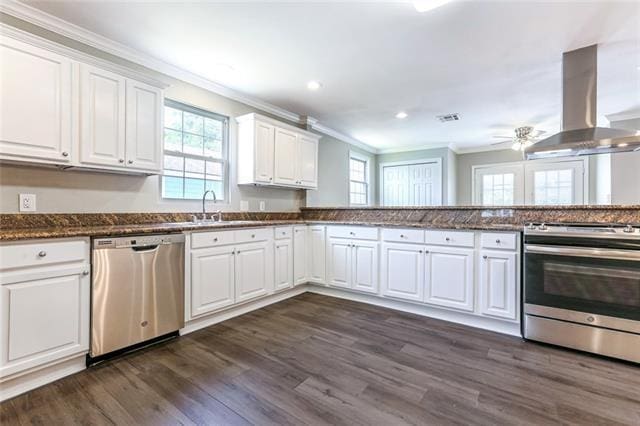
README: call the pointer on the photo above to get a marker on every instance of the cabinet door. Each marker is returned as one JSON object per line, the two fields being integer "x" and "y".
{"x": 364, "y": 264}
{"x": 316, "y": 268}
{"x": 144, "y": 126}
{"x": 403, "y": 271}
{"x": 339, "y": 263}
{"x": 286, "y": 153}
{"x": 498, "y": 284}
{"x": 212, "y": 279}
{"x": 252, "y": 270}
{"x": 449, "y": 277}
{"x": 35, "y": 104}
{"x": 102, "y": 117}
{"x": 264, "y": 152}
{"x": 43, "y": 318}
{"x": 307, "y": 174}
{"x": 300, "y": 254}
{"x": 283, "y": 257}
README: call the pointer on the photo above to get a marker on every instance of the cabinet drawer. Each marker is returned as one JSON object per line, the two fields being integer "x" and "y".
{"x": 360, "y": 232}
{"x": 211, "y": 239}
{"x": 449, "y": 238}
{"x": 403, "y": 235}
{"x": 13, "y": 256}
{"x": 253, "y": 234}
{"x": 498, "y": 240}
{"x": 283, "y": 232}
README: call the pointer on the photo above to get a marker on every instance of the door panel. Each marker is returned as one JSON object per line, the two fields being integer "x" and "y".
{"x": 300, "y": 254}
{"x": 316, "y": 254}
{"x": 339, "y": 263}
{"x": 252, "y": 271}
{"x": 35, "y": 104}
{"x": 307, "y": 162}
{"x": 212, "y": 280}
{"x": 403, "y": 271}
{"x": 286, "y": 151}
{"x": 449, "y": 277}
{"x": 144, "y": 124}
{"x": 102, "y": 110}
{"x": 264, "y": 152}
{"x": 364, "y": 259}
{"x": 283, "y": 264}
{"x": 498, "y": 282}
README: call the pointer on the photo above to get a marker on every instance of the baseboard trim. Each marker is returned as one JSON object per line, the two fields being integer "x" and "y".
{"x": 41, "y": 377}
{"x": 214, "y": 318}
{"x": 468, "y": 319}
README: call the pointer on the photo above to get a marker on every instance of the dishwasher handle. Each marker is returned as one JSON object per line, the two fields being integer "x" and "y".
{"x": 153, "y": 247}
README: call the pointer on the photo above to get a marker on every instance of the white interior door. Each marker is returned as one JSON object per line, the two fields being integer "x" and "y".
{"x": 412, "y": 183}
{"x": 35, "y": 102}
{"x": 395, "y": 185}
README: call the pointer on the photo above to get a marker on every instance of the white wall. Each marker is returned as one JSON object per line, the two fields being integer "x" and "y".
{"x": 625, "y": 169}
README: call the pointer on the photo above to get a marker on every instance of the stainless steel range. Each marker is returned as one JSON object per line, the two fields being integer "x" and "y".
{"x": 582, "y": 287}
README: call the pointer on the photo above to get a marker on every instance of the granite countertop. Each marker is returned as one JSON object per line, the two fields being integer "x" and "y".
{"x": 159, "y": 228}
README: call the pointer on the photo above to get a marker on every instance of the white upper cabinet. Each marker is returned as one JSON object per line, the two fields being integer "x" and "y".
{"x": 35, "y": 104}
{"x": 102, "y": 117}
{"x": 274, "y": 153}
{"x": 85, "y": 116}
{"x": 144, "y": 124}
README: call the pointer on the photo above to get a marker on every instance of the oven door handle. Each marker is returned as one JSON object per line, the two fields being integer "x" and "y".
{"x": 583, "y": 252}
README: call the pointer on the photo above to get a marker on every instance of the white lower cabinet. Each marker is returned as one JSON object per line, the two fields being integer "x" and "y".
{"x": 352, "y": 264}
{"x": 449, "y": 277}
{"x": 299, "y": 255}
{"x": 252, "y": 270}
{"x": 498, "y": 284}
{"x": 316, "y": 253}
{"x": 402, "y": 271}
{"x": 212, "y": 279}
{"x": 44, "y": 307}
{"x": 283, "y": 261}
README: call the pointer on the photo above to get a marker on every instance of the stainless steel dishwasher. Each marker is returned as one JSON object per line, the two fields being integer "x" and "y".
{"x": 137, "y": 292}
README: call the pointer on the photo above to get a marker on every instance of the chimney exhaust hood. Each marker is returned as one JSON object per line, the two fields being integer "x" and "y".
{"x": 579, "y": 135}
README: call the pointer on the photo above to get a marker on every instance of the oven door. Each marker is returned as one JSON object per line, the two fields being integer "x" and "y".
{"x": 596, "y": 286}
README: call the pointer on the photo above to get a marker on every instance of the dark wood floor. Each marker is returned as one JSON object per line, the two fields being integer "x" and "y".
{"x": 320, "y": 360}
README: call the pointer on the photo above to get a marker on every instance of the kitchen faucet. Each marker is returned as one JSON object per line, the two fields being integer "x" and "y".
{"x": 204, "y": 211}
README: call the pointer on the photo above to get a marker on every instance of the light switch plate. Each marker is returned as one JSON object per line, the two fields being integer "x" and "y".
{"x": 244, "y": 206}
{"x": 262, "y": 206}
{"x": 27, "y": 202}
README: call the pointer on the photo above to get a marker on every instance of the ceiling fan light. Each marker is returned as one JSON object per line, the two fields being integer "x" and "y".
{"x": 517, "y": 146}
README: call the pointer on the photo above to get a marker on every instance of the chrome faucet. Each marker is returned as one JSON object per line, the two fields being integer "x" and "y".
{"x": 204, "y": 211}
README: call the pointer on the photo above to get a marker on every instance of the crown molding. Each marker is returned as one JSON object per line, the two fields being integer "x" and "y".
{"x": 473, "y": 150}
{"x": 74, "y": 32}
{"x": 416, "y": 148}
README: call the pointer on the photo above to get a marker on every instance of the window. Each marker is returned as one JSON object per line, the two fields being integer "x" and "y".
{"x": 195, "y": 152}
{"x": 539, "y": 182}
{"x": 358, "y": 180}
{"x": 411, "y": 183}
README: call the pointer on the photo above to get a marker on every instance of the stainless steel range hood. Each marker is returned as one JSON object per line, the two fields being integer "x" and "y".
{"x": 579, "y": 135}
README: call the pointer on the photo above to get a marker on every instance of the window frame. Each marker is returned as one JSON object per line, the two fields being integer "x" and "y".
{"x": 224, "y": 160}
{"x": 367, "y": 176}
{"x": 524, "y": 190}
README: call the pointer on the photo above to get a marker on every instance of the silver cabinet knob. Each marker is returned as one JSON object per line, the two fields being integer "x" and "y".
{"x": 484, "y": 257}
{"x": 85, "y": 272}
{"x": 447, "y": 239}
{"x": 590, "y": 319}
{"x": 42, "y": 253}
{"x": 402, "y": 236}
{"x": 253, "y": 235}
{"x": 270, "y": 178}
{"x": 130, "y": 161}
{"x": 215, "y": 240}
{"x": 65, "y": 154}
{"x": 426, "y": 251}
{"x": 238, "y": 252}
{"x": 121, "y": 160}
{"x": 420, "y": 251}
{"x": 498, "y": 241}
{"x": 352, "y": 233}
{"x": 284, "y": 233}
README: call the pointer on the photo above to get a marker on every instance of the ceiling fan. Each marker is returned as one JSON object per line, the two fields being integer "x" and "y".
{"x": 524, "y": 137}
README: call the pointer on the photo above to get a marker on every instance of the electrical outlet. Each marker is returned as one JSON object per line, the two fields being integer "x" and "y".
{"x": 244, "y": 206}
{"x": 262, "y": 206}
{"x": 27, "y": 202}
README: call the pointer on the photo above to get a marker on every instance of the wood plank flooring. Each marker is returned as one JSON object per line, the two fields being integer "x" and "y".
{"x": 319, "y": 360}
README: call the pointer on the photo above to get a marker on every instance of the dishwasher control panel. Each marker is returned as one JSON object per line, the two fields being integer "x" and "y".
{"x": 137, "y": 241}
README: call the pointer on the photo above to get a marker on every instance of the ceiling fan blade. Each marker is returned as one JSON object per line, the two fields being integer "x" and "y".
{"x": 507, "y": 143}
{"x": 503, "y": 137}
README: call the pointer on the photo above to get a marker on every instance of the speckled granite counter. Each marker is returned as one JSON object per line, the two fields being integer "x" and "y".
{"x": 30, "y": 226}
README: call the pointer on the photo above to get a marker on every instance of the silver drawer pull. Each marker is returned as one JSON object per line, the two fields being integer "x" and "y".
{"x": 402, "y": 236}
{"x": 42, "y": 253}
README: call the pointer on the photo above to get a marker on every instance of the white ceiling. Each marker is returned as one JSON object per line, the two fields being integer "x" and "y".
{"x": 497, "y": 64}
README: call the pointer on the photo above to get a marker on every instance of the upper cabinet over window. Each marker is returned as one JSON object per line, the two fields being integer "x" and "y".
{"x": 276, "y": 154}
{"x": 58, "y": 110}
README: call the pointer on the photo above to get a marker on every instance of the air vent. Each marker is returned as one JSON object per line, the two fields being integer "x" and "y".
{"x": 448, "y": 117}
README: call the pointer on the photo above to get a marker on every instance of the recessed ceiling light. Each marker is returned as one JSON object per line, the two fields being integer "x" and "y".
{"x": 401, "y": 115}
{"x": 427, "y": 5}
{"x": 314, "y": 85}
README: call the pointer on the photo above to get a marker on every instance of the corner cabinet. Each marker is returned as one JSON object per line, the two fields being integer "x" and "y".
{"x": 89, "y": 115}
{"x": 273, "y": 153}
